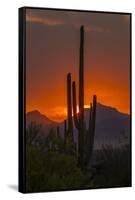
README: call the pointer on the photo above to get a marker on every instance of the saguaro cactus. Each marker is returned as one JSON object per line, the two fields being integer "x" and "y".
{"x": 85, "y": 138}
{"x": 81, "y": 98}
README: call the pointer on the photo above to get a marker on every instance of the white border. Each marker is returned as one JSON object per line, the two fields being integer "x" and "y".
{"x": 9, "y": 97}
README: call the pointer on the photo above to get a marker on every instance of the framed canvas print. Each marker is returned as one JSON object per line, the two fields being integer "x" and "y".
{"x": 74, "y": 99}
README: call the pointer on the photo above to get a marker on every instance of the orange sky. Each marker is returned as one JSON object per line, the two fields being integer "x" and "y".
{"x": 52, "y": 51}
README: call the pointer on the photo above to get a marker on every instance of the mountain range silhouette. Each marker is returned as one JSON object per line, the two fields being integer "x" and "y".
{"x": 111, "y": 125}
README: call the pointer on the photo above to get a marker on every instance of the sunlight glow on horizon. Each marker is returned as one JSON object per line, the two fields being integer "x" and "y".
{"x": 60, "y": 113}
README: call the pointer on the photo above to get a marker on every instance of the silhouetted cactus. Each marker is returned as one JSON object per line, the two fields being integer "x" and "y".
{"x": 90, "y": 133}
{"x": 69, "y": 108}
{"x": 85, "y": 137}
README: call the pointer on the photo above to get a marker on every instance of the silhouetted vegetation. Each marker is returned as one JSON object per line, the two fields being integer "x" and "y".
{"x": 51, "y": 165}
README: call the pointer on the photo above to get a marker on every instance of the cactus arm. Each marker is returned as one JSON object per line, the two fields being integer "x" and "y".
{"x": 75, "y": 117}
{"x": 91, "y": 132}
{"x": 94, "y": 112}
{"x": 90, "y": 116}
{"x": 69, "y": 105}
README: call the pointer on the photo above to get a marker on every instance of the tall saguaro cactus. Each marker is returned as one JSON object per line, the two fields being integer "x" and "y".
{"x": 81, "y": 97}
{"x": 81, "y": 79}
{"x": 85, "y": 138}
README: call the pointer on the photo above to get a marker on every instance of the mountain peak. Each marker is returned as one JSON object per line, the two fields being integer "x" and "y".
{"x": 34, "y": 112}
{"x": 38, "y": 117}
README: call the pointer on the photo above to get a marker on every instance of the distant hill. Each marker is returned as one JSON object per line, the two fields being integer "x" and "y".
{"x": 112, "y": 126}
{"x": 39, "y": 118}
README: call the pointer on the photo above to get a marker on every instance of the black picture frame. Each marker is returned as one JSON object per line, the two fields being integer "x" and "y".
{"x": 22, "y": 94}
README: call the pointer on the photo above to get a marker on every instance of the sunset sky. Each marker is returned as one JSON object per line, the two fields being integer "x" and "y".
{"x": 52, "y": 51}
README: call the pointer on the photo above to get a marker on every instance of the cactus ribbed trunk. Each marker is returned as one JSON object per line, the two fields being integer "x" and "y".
{"x": 81, "y": 98}
{"x": 81, "y": 78}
